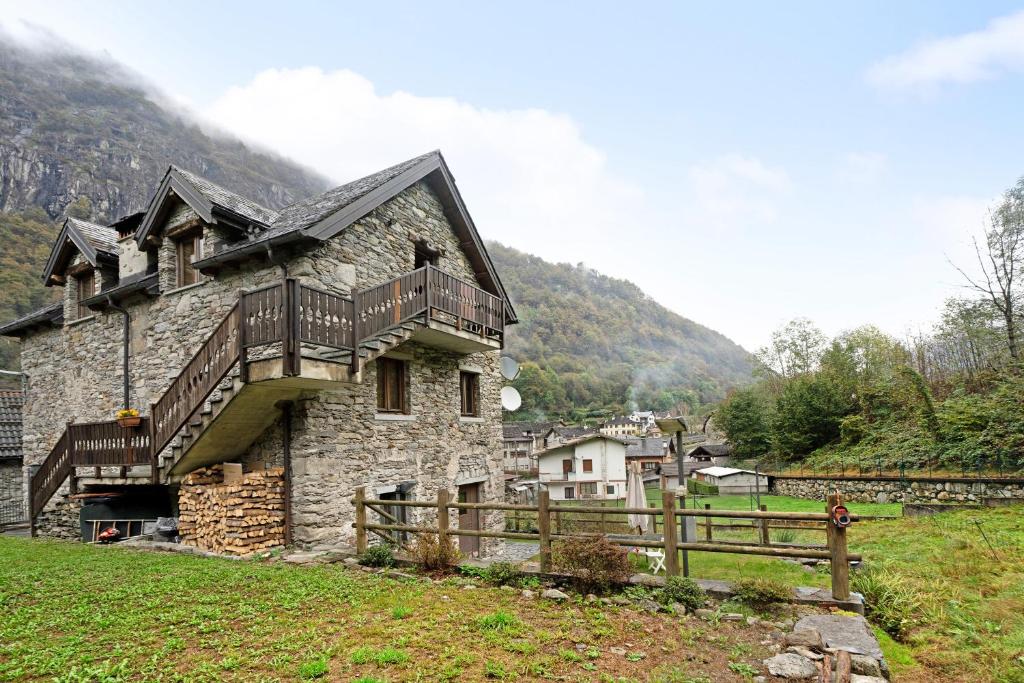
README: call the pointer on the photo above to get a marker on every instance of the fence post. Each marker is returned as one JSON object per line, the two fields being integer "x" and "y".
{"x": 154, "y": 455}
{"x": 442, "y": 517}
{"x": 360, "y": 520}
{"x": 668, "y": 511}
{"x": 707, "y": 523}
{"x": 243, "y": 337}
{"x": 544, "y": 529}
{"x": 766, "y": 538}
{"x": 840, "y": 565}
{"x": 292, "y": 347}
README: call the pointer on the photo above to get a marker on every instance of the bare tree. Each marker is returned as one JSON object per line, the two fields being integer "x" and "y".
{"x": 1000, "y": 260}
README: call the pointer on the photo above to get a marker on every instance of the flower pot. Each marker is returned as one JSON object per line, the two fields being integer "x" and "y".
{"x": 130, "y": 422}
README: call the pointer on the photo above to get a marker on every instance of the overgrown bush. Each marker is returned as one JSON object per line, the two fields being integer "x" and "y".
{"x": 594, "y": 562}
{"x": 889, "y": 600}
{"x": 378, "y": 556}
{"x": 702, "y": 488}
{"x": 502, "y": 574}
{"x": 684, "y": 590}
{"x": 432, "y": 554}
{"x": 784, "y": 536}
{"x": 761, "y": 593}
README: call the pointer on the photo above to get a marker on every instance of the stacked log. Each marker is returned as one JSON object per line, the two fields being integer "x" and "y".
{"x": 236, "y": 519}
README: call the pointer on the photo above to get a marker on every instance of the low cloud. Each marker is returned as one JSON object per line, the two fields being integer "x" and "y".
{"x": 976, "y": 56}
{"x": 734, "y": 189}
{"x": 529, "y": 177}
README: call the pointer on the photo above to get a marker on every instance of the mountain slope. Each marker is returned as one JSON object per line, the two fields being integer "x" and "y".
{"x": 75, "y": 130}
{"x": 589, "y": 343}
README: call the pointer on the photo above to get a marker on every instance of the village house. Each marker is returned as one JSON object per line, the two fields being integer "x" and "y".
{"x": 12, "y": 495}
{"x": 560, "y": 434}
{"x": 592, "y": 466}
{"x": 351, "y": 339}
{"x": 521, "y": 441}
{"x": 648, "y": 451}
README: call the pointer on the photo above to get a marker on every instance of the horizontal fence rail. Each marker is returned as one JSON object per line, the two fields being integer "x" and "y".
{"x": 673, "y": 538}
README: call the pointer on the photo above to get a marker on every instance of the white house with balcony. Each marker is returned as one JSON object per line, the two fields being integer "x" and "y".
{"x": 589, "y": 467}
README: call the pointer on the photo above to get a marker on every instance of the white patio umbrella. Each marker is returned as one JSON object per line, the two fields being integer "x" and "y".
{"x": 636, "y": 498}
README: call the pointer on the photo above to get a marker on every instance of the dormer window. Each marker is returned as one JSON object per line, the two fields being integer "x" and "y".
{"x": 85, "y": 287}
{"x": 188, "y": 250}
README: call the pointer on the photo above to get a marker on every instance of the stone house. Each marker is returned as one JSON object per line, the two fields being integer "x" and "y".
{"x": 587, "y": 467}
{"x": 352, "y": 339}
{"x": 11, "y": 487}
{"x": 521, "y": 441}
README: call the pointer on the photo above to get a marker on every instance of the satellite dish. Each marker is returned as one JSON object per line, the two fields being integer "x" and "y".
{"x": 509, "y": 368}
{"x": 510, "y": 399}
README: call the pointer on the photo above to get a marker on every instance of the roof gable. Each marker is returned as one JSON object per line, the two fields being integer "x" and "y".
{"x": 214, "y": 204}
{"x": 96, "y": 243}
{"x": 327, "y": 214}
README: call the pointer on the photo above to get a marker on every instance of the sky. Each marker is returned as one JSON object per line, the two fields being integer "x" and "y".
{"x": 743, "y": 163}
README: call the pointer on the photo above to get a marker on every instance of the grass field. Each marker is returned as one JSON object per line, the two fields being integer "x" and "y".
{"x": 76, "y": 613}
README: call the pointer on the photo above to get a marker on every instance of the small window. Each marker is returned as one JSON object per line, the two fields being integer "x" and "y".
{"x": 588, "y": 465}
{"x": 189, "y": 249}
{"x": 392, "y": 389}
{"x": 570, "y": 493}
{"x": 589, "y": 488}
{"x": 610, "y": 489}
{"x": 85, "y": 287}
{"x": 567, "y": 466}
{"x": 469, "y": 387}
{"x": 424, "y": 255}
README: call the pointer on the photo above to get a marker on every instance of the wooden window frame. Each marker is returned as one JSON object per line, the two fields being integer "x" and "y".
{"x": 588, "y": 465}
{"x": 586, "y": 486}
{"x": 386, "y": 402}
{"x": 469, "y": 393}
{"x": 86, "y": 276}
{"x": 569, "y": 493}
{"x": 568, "y": 465}
{"x": 184, "y": 273}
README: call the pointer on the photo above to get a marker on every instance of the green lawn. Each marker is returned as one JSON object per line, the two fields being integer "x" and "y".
{"x": 73, "y": 613}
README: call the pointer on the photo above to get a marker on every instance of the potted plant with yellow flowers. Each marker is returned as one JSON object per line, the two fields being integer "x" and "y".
{"x": 128, "y": 418}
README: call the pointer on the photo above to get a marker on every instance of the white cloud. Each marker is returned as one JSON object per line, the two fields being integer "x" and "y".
{"x": 863, "y": 167}
{"x": 528, "y": 176}
{"x": 979, "y": 55}
{"x": 733, "y": 189}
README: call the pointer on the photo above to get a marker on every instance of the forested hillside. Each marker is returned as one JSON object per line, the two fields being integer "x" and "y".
{"x": 590, "y": 344}
{"x": 952, "y": 398}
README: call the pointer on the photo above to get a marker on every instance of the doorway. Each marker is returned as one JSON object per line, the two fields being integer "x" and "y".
{"x": 469, "y": 519}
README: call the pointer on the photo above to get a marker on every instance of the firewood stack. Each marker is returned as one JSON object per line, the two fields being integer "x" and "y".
{"x": 236, "y": 518}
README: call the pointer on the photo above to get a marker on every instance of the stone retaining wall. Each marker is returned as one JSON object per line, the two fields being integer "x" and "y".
{"x": 900, "y": 490}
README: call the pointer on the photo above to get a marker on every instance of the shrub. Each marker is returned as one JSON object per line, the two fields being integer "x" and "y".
{"x": 594, "y": 562}
{"x": 760, "y": 593}
{"x": 378, "y": 556}
{"x": 701, "y": 488}
{"x": 435, "y": 556}
{"x": 502, "y": 574}
{"x": 889, "y": 600}
{"x": 685, "y": 591}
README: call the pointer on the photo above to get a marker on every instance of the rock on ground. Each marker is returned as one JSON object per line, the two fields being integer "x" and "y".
{"x": 554, "y": 594}
{"x": 792, "y": 666}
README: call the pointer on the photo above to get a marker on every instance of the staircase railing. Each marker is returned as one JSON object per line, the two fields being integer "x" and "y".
{"x": 89, "y": 444}
{"x": 285, "y": 313}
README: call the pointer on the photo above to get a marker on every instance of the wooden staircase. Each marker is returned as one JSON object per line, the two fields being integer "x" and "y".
{"x": 213, "y": 410}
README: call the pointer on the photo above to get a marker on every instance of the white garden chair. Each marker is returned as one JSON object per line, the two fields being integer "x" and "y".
{"x": 655, "y": 555}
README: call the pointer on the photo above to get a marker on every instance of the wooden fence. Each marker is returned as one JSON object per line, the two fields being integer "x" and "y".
{"x": 672, "y": 541}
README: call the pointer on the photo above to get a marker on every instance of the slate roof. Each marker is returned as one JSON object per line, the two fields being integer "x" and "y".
{"x": 11, "y": 403}
{"x": 227, "y": 199}
{"x": 518, "y": 430}
{"x": 100, "y": 237}
{"x": 646, "y": 446}
{"x": 572, "y": 432}
{"x": 52, "y": 314}
{"x": 715, "y": 450}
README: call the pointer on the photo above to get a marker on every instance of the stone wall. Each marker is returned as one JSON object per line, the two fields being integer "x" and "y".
{"x": 900, "y": 490}
{"x": 12, "y": 496}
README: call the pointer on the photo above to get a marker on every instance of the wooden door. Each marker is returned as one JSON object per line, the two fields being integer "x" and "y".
{"x": 469, "y": 519}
